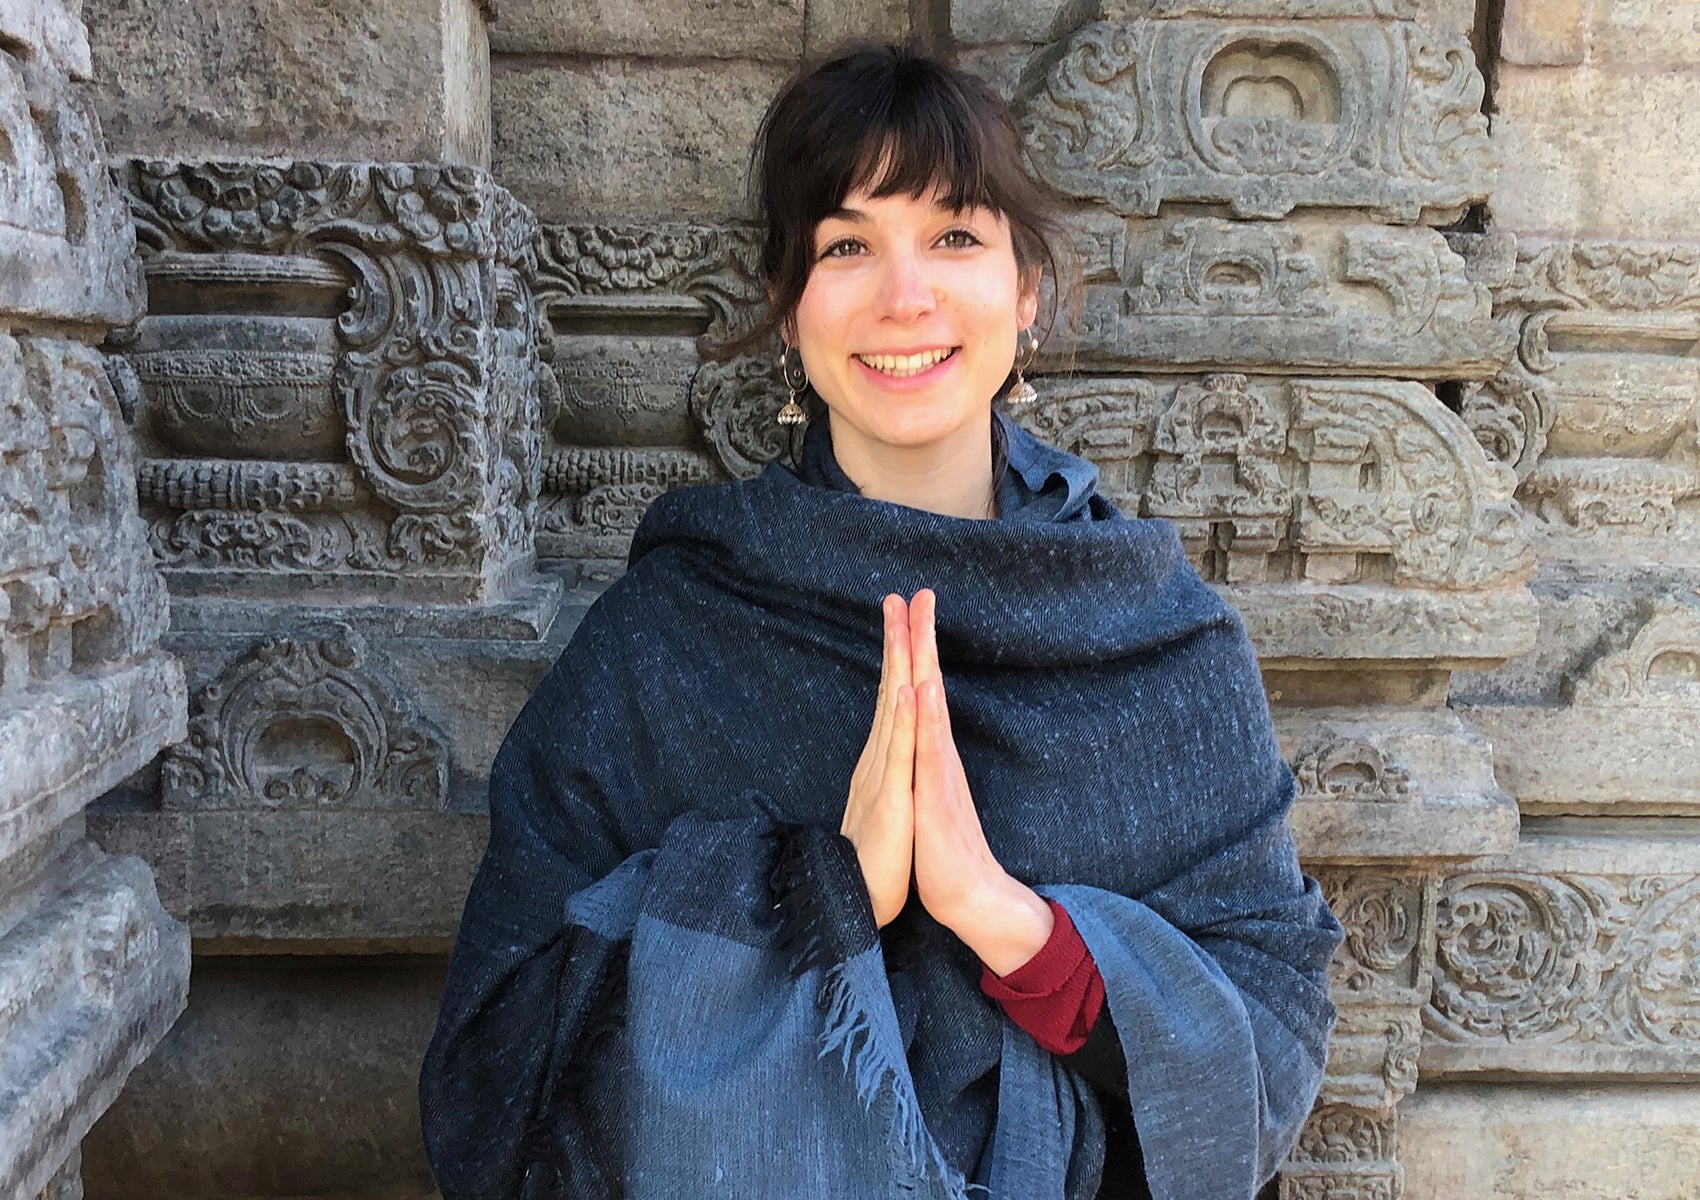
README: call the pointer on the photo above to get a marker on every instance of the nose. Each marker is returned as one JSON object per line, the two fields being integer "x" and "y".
{"x": 906, "y": 288}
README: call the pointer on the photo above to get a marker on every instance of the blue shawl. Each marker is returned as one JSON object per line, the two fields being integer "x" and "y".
{"x": 668, "y": 983}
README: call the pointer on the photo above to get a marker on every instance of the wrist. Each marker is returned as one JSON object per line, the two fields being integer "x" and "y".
{"x": 1005, "y": 923}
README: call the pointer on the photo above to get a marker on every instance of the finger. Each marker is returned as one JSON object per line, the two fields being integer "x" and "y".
{"x": 900, "y": 754}
{"x": 892, "y": 672}
{"x": 923, "y": 636}
{"x": 930, "y": 776}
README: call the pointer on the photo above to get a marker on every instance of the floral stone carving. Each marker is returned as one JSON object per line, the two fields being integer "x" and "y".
{"x": 306, "y": 721}
{"x": 1193, "y": 103}
{"x": 406, "y": 354}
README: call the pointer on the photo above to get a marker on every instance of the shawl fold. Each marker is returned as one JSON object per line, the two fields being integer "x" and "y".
{"x": 668, "y": 981}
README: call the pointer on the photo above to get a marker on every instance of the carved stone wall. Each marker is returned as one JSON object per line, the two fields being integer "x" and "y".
{"x": 1417, "y": 391}
{"x": 92, "y": 970}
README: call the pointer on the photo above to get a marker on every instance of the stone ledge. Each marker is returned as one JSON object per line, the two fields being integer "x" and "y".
{"x": 90, "y": 980}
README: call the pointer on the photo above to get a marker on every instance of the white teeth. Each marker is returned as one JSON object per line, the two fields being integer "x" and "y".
{"x": 900, "y": 365}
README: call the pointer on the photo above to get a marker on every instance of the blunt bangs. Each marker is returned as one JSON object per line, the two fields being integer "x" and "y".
{"x": 891, "y": 122}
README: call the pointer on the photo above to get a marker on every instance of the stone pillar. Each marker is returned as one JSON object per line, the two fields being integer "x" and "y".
{"x": 338, "y": 434}
{"x": 1562, "y": 1046}
{"x": 92, "y": 970}
{"x": 1276, "y": 338}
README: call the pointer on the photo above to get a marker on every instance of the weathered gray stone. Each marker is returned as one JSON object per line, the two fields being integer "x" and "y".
{"x": 1521, "y": 1142}
{"x": 1395, "y": 786}
{"x": 616, "y": 138}
{"x": 1372, "y": 114}
{"x": 1571, "y": 956}
{"x": 1596, "y": 152}
{"x": 377, "y": 436}
{"x": 974, "y": 22}
{"x": 90, "y": 979}
{"x": 832, "y": 22}
{"x": 286, "y": 1077}
{"x": 53, "y": 28}
{"x": 66, "y": 248}
{"x": 1199, "y": 293}
{"x": 1628, "y": 738}
{"x": 752, "y": 29}
{"x": 398, "y": 80}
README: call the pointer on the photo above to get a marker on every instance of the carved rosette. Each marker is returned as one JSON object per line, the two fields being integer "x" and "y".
{"x": 425, "y": 380}
{"x": 1192, "y": 104}
{"x": 306, "y": 721}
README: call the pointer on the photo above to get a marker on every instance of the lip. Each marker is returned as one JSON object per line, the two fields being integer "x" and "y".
{"x": 908, "y": 383}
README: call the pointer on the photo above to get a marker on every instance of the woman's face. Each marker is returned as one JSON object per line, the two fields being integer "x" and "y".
{"x": 908, "y": 324}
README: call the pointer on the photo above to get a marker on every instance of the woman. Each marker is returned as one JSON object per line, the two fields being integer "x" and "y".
{"x": 1035, "y": 930}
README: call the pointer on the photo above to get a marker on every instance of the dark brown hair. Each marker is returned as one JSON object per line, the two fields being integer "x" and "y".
{"x": 895, "y": 122}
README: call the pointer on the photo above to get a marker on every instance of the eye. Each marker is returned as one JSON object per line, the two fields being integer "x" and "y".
{"x": 960, "y": 239}
{"x": 842, "y": 248}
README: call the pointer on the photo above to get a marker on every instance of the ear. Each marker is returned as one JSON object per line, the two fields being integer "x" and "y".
{"x": 1027, "y": 304}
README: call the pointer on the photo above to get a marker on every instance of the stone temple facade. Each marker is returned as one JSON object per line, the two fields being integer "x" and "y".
{"x": 361, "y": 337}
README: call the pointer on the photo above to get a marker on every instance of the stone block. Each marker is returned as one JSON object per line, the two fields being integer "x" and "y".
{"x": 621, "y": 138}
{"x": 976, "y": 22}
{"x": 387, "y": 81}
{"x": 1598, "y": 153}
{"x": 339, "y": 384}
{"x": 1375, "y": 114}
{"x": 67, "y": 252}
{"x": 1544, "y": 33}
{"x": 1642, "y": 36}
{"x": 1626, "y": 740}
{"x": 90, "y": 979}
{"x": 1571, "y": 956}
{"x": 1393, "y": 786}
{"x": 1526, "y": 1142}
{"x": 1199, "y": 293}
{"x": 767, "y": 30}
{"x": 52, "y": 28}
{"x": 286, "y": 1077}
{"x": 832, "y": 22}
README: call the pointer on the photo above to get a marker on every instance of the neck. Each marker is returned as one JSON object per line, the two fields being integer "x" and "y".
{"x": 951, "y": 477}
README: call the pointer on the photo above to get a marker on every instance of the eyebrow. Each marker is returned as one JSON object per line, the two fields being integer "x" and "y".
{"x": 854, "y": 215}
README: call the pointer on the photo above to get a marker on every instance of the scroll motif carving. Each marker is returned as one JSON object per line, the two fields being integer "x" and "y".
{"x": 1391, "y": 476}
{"x": 427, "y": 382}
{"x": 713, "y": 265}
{"x": 72, "y": 549}
{"x": 1531, "y": 958}
{"x": 1349, "y": 769}
{"x": 1660, "y": 666}
{"x": 1208, "y": 293}
{"x": 306, "y": 721}
{"x": 1371, "y": 112}
{"x": 1388, "y": 931}
{"x": 733, "y": 404}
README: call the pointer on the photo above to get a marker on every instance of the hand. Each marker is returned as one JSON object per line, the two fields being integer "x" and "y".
{"x": 957, "y": 877}
{"x": 879, "y": 816}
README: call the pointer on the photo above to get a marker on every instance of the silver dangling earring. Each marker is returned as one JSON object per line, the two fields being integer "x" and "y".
{"x": 1021, "y": 392}
{"x": 792, "y": 413}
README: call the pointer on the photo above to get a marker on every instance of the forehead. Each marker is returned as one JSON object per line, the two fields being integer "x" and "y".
{"x": 862, "y": 204}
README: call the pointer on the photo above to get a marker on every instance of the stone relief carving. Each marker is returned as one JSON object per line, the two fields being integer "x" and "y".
{"x": 1660, "y": 666}
{"x": 1602, "y": 433}
{"x": 1365, "y": 111}
{"x": 714, "y": 265}
{"x": 1344, "y": 1153}
{"x": 423, "y": 376}
{"x": 1538, "y": 959}
{"x": 1348, "y": 769}
{"x": 1391, "y": 477}
{"x": 77, "y": 588}
{"x": 306, "y": 720}
{"x": 1199, "y": 292}
{"x": 65, "y": 239}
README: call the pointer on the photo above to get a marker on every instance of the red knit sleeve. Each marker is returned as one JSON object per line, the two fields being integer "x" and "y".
{"x": 1057, "y": 994}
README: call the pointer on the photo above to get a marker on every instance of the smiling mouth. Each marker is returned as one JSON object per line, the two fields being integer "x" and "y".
{"x": 899, "y": 366}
